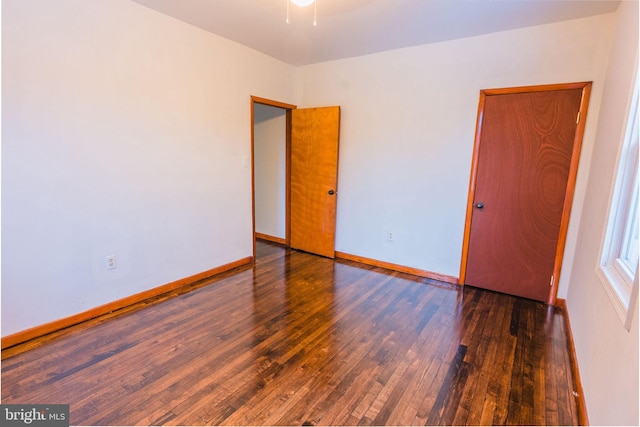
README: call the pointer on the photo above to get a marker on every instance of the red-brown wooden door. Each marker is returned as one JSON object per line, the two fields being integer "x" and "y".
{"x": 525, "y": 163}
{"x": 315, "y": 134}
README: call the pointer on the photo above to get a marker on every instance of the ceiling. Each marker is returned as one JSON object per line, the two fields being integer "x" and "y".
{"x": 347, "y": 28}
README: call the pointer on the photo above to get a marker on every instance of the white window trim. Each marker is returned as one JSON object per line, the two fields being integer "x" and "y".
{"x": 616, "y": 279}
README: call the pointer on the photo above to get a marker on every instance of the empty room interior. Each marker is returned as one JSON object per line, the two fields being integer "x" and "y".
{"x": 329, "y": 212}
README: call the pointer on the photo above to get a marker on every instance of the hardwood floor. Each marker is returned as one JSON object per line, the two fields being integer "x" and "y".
{"x": 304, "y": 340}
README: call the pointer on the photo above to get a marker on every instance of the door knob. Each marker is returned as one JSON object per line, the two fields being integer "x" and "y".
{"x": 331, "y": 192}
{"x": 479, "y": 205}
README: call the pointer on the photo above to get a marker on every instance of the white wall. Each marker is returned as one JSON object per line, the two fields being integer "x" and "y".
{"x": 408, "y": 122}
{"x": 123, "y": 133}
{"x": 270, "y": 169}
{"x": 607, "y": 353}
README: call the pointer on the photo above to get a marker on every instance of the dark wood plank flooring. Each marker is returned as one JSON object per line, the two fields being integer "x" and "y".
{"x": 304, "y": 340}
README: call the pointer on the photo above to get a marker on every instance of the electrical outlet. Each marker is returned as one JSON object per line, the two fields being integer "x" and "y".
{"x": 389, "y": 235}
{"x": 110, "y": 262}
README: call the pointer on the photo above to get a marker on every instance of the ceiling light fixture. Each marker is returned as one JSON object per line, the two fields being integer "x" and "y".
{"x": 304, "y": 3}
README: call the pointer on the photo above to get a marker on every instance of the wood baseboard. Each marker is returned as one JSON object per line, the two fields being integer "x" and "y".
{"x": 399, "y": 268}
{"x": 269, "y": 238}
{"x": 48, "y": 328}
{"x": 582, "y": 407}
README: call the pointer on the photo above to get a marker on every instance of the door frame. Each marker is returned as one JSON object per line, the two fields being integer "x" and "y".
{"x": 571, "y": 182}
{"x": 287, "y": 107}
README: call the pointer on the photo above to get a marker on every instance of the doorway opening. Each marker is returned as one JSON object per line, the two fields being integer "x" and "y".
{"x": 311, "y": 145}
{"x": 270, "y": 175}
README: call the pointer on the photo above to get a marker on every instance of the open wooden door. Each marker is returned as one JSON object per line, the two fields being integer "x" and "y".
{"x": 523, "y": 176}
{"x": 315, "y": 136}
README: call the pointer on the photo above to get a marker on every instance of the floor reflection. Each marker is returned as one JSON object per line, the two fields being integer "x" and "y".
{"x": 293, "y": 315}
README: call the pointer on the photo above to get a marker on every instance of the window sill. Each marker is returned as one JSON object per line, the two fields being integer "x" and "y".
{"x": 622, "y": 295}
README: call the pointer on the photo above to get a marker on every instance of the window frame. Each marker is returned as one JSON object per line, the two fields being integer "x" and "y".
{"x": 620, "y": 283}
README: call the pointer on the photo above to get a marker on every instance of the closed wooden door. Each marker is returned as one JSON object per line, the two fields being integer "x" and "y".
{"x": 525, "y": 163}
{"x": 315, "y": 136}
